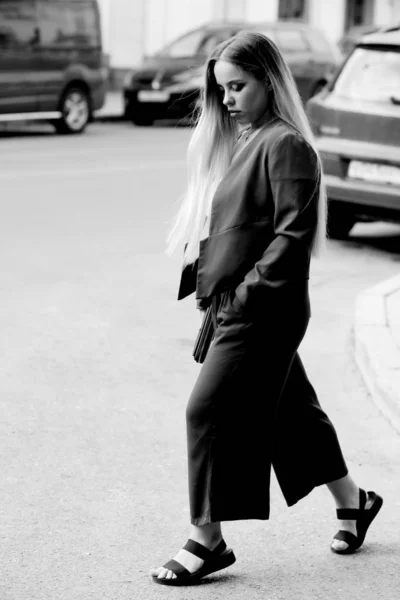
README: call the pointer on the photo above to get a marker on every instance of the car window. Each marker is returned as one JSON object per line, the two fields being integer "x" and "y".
{"x": 371, "y": 75}
{"x": 68, "y": 23}
{"x": 17, "y": 24}
{"x": 290, "y": 40}
{"x": 212, "y": 41}
{"x": 185, "y": 46}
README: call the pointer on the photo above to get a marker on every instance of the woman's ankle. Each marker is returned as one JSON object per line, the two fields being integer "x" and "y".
{"x": 345, "y": 492}
{"x": 208, "y": 535}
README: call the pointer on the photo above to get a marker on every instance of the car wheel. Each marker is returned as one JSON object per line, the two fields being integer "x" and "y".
{"x": 340, "y": 221}
{"x": 75, "y": 110}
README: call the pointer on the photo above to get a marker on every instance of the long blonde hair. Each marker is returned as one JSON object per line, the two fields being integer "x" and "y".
{"x": 211, "y": 144}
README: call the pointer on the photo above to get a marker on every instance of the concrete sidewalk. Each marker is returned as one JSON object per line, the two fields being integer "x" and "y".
{"x": 113, "y": 108}
{"x": 377, "y": 345}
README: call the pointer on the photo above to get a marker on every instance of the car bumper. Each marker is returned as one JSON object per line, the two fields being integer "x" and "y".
{"x": 363, "y": 193}
{"x": 178, "y": 105}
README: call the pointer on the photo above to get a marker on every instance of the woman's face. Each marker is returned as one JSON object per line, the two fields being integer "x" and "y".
{"x": 245, "y": 97}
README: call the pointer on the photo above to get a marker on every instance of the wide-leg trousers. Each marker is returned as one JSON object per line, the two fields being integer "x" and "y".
{"x": 253, "y": 408}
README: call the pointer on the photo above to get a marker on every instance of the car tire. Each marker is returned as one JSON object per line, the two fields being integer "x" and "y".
{"x": 340, "y": 220}
{"x": 75, "y": 110}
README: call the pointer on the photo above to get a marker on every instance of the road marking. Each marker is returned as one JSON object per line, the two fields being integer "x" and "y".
{"x": 98, "y": 170}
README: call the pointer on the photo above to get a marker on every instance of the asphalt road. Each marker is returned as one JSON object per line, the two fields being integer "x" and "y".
{"x": 96, "y": 369}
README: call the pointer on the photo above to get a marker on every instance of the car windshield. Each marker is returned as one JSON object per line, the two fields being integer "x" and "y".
{"x": 185, "y": 46}
{"x": 370, "y": 74}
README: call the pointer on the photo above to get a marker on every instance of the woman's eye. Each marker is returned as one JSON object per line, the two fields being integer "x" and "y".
{"x": 236, "y": 87}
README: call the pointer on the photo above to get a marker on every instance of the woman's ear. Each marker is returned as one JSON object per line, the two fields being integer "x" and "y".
{"x": 269, "y": 85}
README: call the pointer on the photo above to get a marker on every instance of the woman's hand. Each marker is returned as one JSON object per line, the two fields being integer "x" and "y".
{"x": 202, "y": 313}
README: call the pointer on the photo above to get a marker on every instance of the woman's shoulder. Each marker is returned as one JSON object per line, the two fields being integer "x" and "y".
{"x": 288, "y": 152}
{"x": 282, "y": 133}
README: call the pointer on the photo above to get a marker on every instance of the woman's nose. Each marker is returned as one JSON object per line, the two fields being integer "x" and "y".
{"x": 228, "y": 100}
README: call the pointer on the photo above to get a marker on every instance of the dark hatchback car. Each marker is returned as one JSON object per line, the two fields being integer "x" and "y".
{"x": 51, "y": 62}
{"x": 167, "y": 84}
{"x": 356, "y": 120}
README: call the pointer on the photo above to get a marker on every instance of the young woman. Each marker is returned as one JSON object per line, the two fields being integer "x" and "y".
{"x": 253, "y": 213}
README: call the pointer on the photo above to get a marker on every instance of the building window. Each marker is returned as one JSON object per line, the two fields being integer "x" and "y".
{"x": 292, "y": 9}
{"x": 359, "y": 12}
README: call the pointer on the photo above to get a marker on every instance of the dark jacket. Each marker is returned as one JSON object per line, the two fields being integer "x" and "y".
{"x": 263, "y": 221}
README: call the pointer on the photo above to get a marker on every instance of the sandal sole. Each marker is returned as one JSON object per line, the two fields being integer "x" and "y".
{"x": 225, "y": 560}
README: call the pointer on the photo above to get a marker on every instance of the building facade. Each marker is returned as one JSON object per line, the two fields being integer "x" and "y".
{"x": 134, "y": 28}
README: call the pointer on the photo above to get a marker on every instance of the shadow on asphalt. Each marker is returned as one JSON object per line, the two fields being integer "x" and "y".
{"x": 27, "y": 132}
{"x": 384, "y": 238}
{"x": 215, "y": 579}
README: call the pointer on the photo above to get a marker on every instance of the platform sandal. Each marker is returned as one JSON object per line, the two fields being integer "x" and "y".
{"x": 363, "y": 518}
{"x": 214, "y": 560}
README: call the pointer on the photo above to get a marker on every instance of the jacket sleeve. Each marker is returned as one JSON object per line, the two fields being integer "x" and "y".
{"x": 292, "y": 172}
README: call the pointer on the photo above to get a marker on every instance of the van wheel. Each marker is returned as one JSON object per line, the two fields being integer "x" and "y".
{"x": 75, "y": 109}
{"x": 340, "y": 221}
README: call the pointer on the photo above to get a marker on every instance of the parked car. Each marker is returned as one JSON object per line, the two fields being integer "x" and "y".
{"x": 51, "y": 62}
{"x": 357, "y": 123}
{"x": 167, "y": 84}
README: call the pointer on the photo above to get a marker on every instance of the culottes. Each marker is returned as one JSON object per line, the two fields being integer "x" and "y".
{"x": 253, "y": 407}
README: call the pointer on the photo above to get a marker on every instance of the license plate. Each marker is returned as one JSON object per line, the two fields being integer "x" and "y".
{"x": 374, "y": 172}
{"x": 153, "y": 96}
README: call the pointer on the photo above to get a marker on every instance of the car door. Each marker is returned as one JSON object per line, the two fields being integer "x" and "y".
{"x": 18, "y": 57}
{"x": 70, "y": 47}
{"x": 56, "y": 49}
{"x": 298, "y": 53}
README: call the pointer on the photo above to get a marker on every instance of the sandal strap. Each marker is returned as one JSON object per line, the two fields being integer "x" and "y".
{"x": 176, "y": 567}
{"x": 197, "y": 549}
{"x": 220, "y": 548}
{"x": 346, "y": 536}
{"x": 347, "y": 514}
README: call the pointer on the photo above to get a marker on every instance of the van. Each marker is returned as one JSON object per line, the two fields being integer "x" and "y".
{"x": 51, "y": 62}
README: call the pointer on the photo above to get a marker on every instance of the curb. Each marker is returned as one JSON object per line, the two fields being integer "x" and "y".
{"x": 376, "y": 351}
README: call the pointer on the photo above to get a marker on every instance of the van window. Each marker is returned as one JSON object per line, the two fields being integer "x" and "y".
{"x": 290, "y": 40}
{"x": 17, "y": 24}
{"x": 69, "y": 23}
